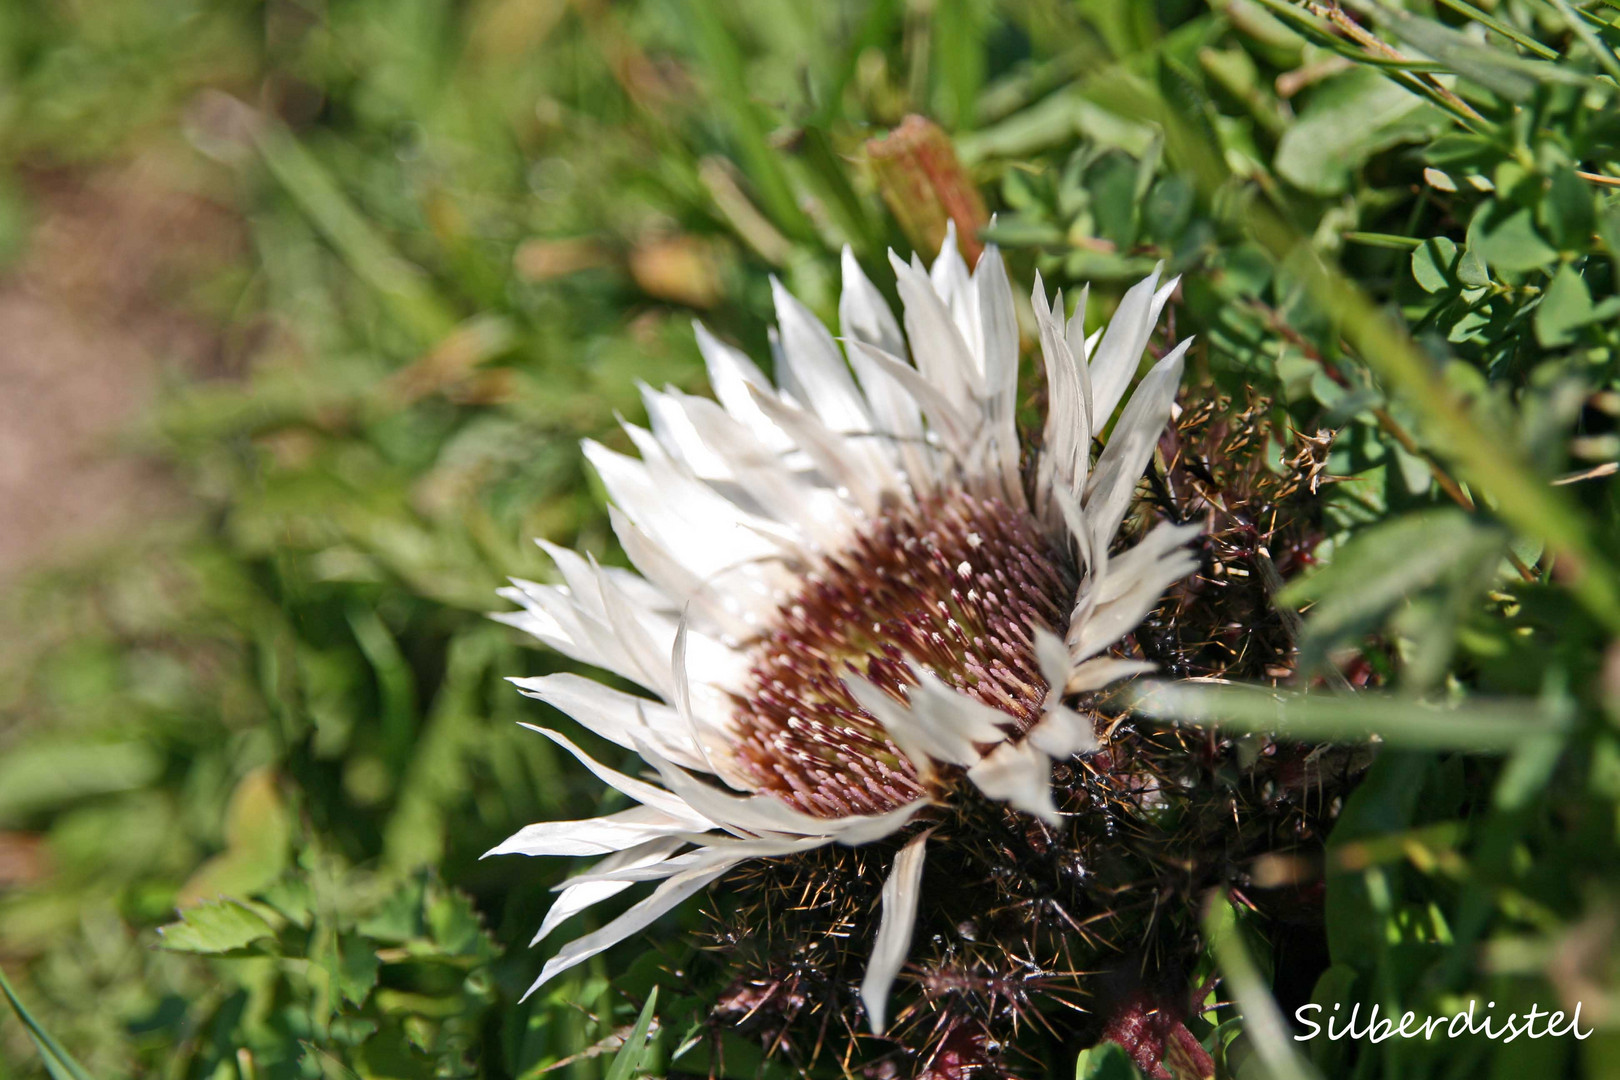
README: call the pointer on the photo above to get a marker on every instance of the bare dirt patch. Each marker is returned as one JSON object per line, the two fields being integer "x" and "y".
{"x": 91, "y": 320}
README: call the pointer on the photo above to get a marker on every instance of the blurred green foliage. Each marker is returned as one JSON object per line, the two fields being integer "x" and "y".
{"x": 475, "y": 227}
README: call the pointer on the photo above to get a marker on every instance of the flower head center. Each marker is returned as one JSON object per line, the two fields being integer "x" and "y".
{"x": 956, "y": 583}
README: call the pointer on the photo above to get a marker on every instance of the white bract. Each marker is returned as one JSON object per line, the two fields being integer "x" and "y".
{"x": 732, "y": 504}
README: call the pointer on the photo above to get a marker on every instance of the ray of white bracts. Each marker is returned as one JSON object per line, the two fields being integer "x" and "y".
{"x": 731, "y": 501}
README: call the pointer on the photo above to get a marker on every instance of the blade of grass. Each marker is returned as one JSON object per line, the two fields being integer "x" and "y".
{"x": 882, "y": 16}
{"x": 1263, "y": 1021}
{"x": 58, "y": 1062}
{"x": 763, "y": 165}
{"x": 1485, "y": 726}
{"x": 1518, "y": 37}
{"x": 1593, "y": 43}
{"x": 959, "y": 44}
{"x": 1384, "y": 240}
{"x": 826, "y": 167}
{"x": 1399, "y": 65}
{"x": 1403, "y": 70}
{"x": 395, "y": 684}
{"x": 1502, "y": 71}
{"x": 1128, "y": 29}
{"x": 401, "y": 285}
{"x": 629, "y": 1057}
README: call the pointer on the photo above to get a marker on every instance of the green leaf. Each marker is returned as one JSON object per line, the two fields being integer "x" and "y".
{"x": 1374, "y": 572}
{"x": 1113, "y": 182}
{"x": 1169, "y": 207}
{"x": 1351, "y": 117}
{"x": 629, "y": 1057}
{"x": 1277, "y": 43}
{"x": 1461, "y": 151}
{"x": 1471, "y": 270}
{"x": 399, "y": 917}
{"x": 258, "y": 836}
{"x": 1569, "y": 212}
{"x": 1020, "y": 230}
{"x": 218, "y": 926}
{"x": 1385, "y": 802}
{"x": 1127, "y": 28}
{"x": 1434, "y": 264}
{"x": 356, "y": 969}
{"x": 293, "y": 898}
{"x": 1566, "y": 307}
{"x": 1106, "y": 1061}
{"x": 453, "y": 923}
{"x": 1506, "y": 238}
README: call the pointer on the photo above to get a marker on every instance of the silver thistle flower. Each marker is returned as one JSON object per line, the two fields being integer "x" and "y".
{"x": 852, "y": 591}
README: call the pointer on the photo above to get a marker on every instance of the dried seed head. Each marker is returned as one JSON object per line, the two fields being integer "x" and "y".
{"x": 955, "y": 582}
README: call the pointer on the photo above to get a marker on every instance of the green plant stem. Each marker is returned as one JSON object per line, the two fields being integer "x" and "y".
{"x": 58, "y": 1062}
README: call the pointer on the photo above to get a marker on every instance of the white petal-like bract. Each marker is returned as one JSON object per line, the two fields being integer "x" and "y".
{"x": 752, "y": 517}
{"x": 901, "y": 891}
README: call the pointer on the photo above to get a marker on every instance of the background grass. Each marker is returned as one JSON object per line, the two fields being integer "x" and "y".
{"x": 469, "y": 229}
